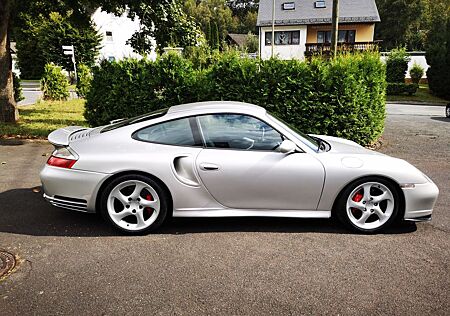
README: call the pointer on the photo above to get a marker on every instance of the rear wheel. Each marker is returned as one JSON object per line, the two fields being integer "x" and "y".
{"x": 368, "y": 205}
{"x": 134, "y": 204}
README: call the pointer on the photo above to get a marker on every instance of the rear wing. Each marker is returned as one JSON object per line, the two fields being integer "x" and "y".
{"x": 61, "y": 136}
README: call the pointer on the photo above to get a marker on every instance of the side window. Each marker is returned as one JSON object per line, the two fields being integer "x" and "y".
{"x": 176, "y": 132}
{"x": 238, "y": 131}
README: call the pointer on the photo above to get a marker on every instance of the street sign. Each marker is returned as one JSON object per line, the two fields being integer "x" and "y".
{"x": 69, "y": 50}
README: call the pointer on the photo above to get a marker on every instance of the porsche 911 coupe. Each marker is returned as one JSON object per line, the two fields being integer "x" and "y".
{"x": 217, "y": 159}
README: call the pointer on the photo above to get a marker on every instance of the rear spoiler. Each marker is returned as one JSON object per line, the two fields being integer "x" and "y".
{"x": 61, "y": 136}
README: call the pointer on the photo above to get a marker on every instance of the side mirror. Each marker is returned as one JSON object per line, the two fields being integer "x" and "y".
{"x": 287, "y": 147}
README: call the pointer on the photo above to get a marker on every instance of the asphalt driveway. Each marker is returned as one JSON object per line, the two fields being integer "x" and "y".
{"x": 73, "y": 263}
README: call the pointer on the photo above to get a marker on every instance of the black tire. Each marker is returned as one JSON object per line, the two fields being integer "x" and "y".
{"x": 162, "y": 194}
{"x": 341, "y": 205}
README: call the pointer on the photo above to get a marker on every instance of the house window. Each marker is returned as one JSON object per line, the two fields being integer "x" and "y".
{"x": 109, "y": 36}
{"x": 284, "y": 38}
{"x": 344, "y": 36}
{"x": 319, "y": 4}
{"x": 288, "y": 6}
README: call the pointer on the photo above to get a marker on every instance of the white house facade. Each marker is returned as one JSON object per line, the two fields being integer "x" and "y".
{"x": 116, "y": 30}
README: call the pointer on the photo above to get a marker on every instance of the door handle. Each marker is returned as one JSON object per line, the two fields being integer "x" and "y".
{"x": 208, "y": 166}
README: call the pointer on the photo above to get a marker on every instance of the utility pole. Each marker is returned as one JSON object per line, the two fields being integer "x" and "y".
{"x": 334, "y": 27}
{"x": 273, "y": 27}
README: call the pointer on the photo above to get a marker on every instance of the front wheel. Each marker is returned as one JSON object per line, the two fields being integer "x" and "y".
{"x": 368, "y": 205}
{"x": 134, "y": 204}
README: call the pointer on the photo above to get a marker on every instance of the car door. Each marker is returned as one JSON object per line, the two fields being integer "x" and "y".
{"x": 241, "y": 167}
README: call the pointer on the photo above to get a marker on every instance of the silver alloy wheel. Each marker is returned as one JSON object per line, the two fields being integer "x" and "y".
{"x": 124, "y": 207}
{"x": 370, "y": 205}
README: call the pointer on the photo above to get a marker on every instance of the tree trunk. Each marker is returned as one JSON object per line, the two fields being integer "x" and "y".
{"x": 8, "y": 108}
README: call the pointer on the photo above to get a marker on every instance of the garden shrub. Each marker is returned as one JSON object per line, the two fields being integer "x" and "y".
{"x": 84, "y": 80}
{"x": 416, "y": 72}
{"x": 394, "y": 88}
{"x": 397, "y": 65}
{"x": 342, "y": 97}
{"x": 18, "y": 95}
{"x": 54, "y": 84}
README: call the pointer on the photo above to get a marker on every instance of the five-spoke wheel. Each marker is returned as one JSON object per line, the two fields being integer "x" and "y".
{"x": 134, "y": 203}
{"x": 368, "y": 205}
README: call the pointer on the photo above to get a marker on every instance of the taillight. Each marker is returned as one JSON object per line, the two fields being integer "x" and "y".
{"x": 60, "y": 162}
{"x": 63, "y": 157}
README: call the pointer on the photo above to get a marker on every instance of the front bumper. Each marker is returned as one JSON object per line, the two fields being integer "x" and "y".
{"x": 71, "y": 188}
{"x": 419, "y": 201}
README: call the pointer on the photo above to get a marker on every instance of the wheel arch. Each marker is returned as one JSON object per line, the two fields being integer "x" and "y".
{"x": 395, "y": 184}
{"x": 133, "y": 172}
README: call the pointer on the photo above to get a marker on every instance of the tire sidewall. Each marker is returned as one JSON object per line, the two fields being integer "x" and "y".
{"x": 341, "y": 209}
{"x": 159, "y": 190}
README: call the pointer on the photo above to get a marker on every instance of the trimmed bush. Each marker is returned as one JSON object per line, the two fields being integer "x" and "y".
{"x": 84, "y": 80}
{"x": 416, "y": 72}
{"x": 397, "y": 65}
{"x": 54, "y": 84}
{"x": 18, "y": 96}
{"x": 342, "y": 97}
{"x": 401, "y": 88}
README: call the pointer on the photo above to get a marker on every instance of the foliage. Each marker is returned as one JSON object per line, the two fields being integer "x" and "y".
{"x": 41, "y": 38}
{"x": 40, "y": 119}
{"x": 416, "y": 72}
{"x": 342, "y": 97}
{"x": 251, "y": 43}
{"x": 438, "y": 50}
{"x": 396, "y": 88}
{"x": 18, "y": 95}
{"x": 84, "y": 80}
{"x": 202, "y": 56}
{"x": 54, "y": 84}
{"x": 403, "y": 23}
{"x": 397, "y": 65}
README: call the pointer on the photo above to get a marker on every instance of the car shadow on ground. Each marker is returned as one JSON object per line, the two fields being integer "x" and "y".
{"x": 23, "y": 211}
{"x": 441, "y": 119}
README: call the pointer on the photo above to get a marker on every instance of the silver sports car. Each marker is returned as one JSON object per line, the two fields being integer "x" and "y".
{"x": 215, "y": 159}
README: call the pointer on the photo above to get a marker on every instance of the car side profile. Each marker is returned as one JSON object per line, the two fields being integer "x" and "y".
{"x": 219, "y": 159}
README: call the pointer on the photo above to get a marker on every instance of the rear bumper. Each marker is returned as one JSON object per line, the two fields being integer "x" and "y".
{"x": 71, "y": 188}
{"x": 419, "y": 201}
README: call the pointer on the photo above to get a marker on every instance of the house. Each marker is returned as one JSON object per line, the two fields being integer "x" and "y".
{"x": 303, "y": 27}
{"x": 116, "y": 31}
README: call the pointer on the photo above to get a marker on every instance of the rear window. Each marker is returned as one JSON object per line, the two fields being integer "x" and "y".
{"x": 134, "y": 120}
{"x": 177, "y": 132}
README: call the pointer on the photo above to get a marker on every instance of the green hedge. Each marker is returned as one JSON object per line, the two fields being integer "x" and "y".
{"x": 342, "y": 97}
{"x": 401, "y": 88}
{"x": 397, "y": 65}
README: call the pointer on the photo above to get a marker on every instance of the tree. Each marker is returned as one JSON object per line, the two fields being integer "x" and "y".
{"x": 403, "y": 23}
{"x": 8, "y": 108}
{"x": 40, "y": 33}
{"x": 438, "y": 49}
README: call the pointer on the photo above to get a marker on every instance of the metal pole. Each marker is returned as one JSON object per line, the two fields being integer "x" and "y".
{"x": 334, "y": 27}
{"x": 273, "y": 27}
{"x": 74, "y": 65}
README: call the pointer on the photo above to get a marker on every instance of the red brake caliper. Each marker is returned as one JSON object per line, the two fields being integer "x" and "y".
{"x": 149, "y": 210}
{"x": 357, "y": 198}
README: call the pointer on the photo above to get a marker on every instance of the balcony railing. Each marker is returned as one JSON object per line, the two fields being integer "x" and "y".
{"x": 325, "y": 48}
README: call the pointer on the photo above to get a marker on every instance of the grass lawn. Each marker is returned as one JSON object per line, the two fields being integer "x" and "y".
{"x": 423, "y": 94}
{"x": 38, "y": 120}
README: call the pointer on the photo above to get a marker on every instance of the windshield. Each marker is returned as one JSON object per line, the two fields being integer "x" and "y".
{"x": 304, "y": 138}
{"x": 136, "y": 119}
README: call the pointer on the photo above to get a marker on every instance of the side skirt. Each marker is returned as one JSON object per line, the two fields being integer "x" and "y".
{"x": 248, "y": 212}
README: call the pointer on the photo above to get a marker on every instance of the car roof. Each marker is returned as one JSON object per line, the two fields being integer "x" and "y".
{"x": 217, "y": 106}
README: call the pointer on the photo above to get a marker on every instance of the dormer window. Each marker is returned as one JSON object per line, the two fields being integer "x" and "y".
{"x": 288, "y": 6}
{"x": 320, "y": 4}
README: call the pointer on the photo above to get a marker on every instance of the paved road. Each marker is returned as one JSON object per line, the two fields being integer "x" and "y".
{"x": 75, "y": 264}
